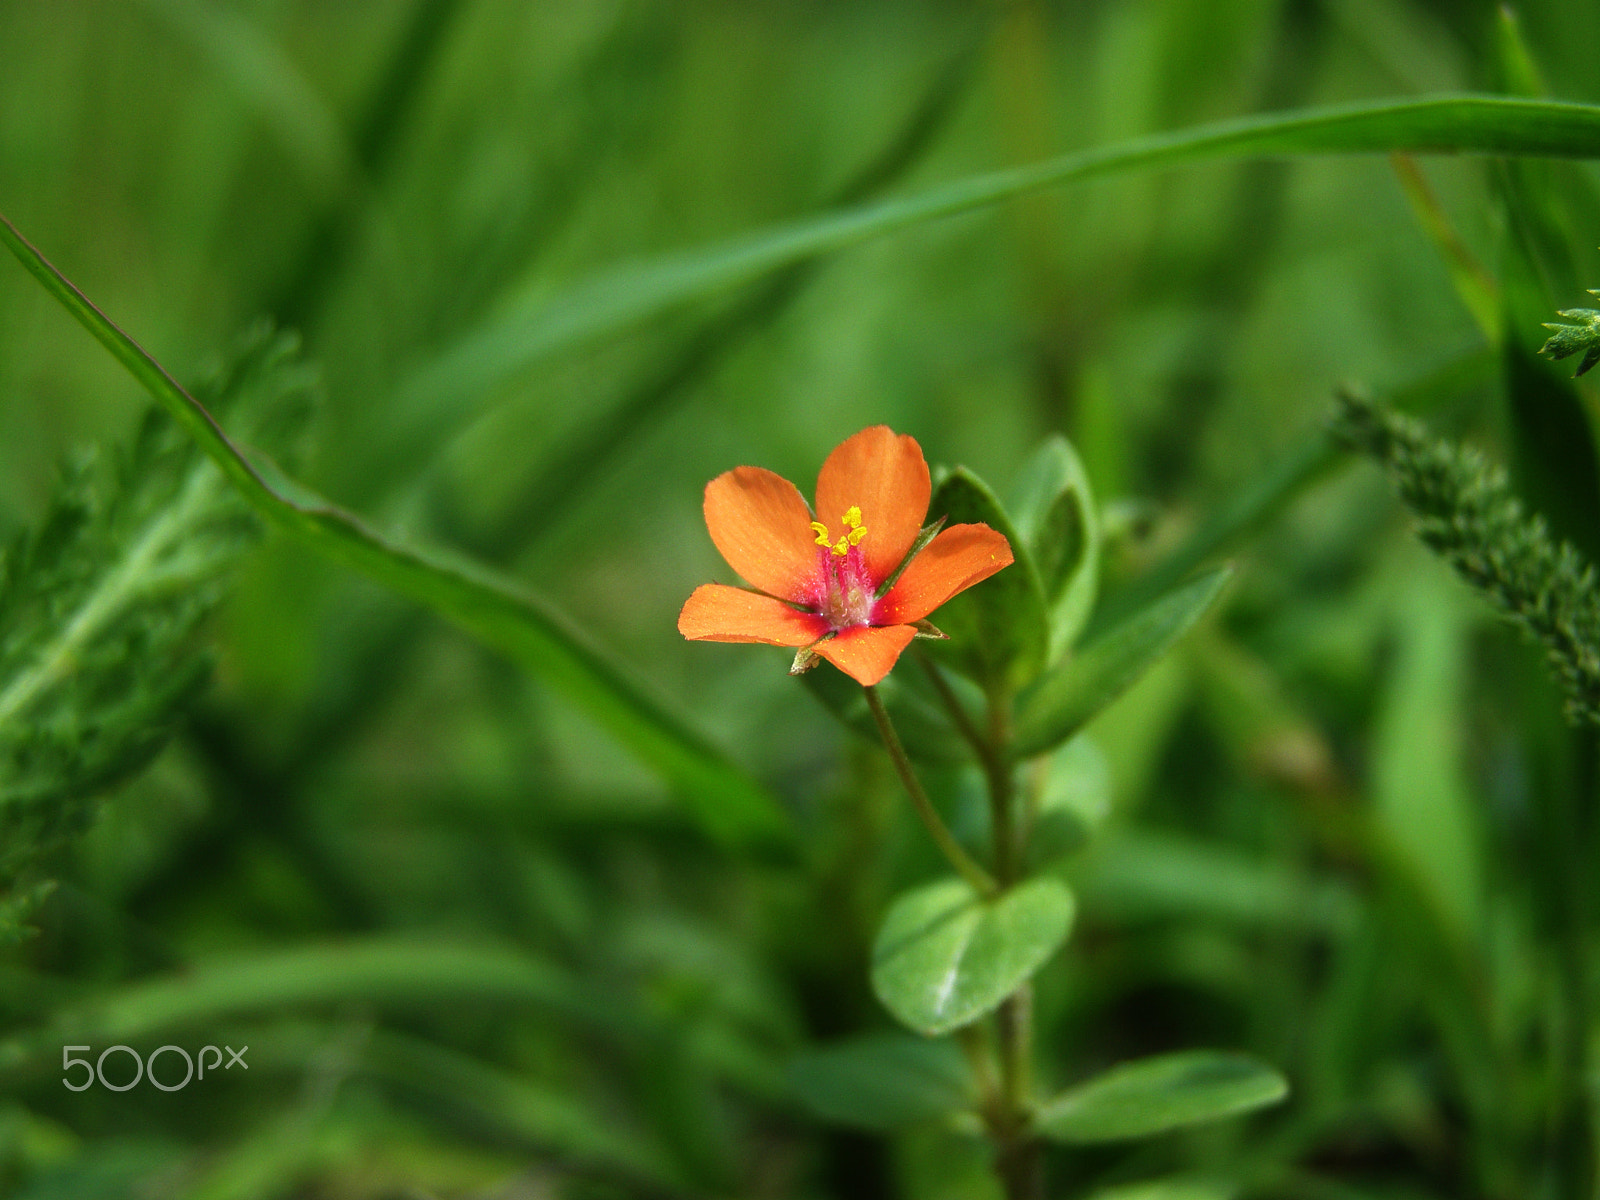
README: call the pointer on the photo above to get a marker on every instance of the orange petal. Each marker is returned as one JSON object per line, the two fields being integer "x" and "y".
{"x": 866, "y": 652}
{"x": 719, "y": 613}
{"x": 760, "y": 523}
{"x": 957, "y": 558}
{"x": 885, "y": 476}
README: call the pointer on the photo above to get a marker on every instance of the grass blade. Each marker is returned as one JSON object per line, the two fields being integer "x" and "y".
{"x": 257, "y": 70}
{"x": 493, "y": 608}
{"x": 537, "y": 327}
{"x": 394, "y": 969}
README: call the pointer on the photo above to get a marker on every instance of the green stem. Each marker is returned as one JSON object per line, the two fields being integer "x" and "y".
{"x": 1019, "y": 1159}
{"x": 959, "y": 716}
{"x": 981, "y": 880}
{"x": 990, "y": 750}
{"x": 1002, "y": 789}
{"x": 1016, "y": 1048}
{"x": 974, "y": 1042}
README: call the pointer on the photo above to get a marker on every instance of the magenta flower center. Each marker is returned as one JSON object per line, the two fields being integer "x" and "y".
{"x": 844, "y": 591}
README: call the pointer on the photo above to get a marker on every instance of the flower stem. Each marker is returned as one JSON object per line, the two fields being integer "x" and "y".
{"x": 981, "y": 881}
{"x": 959, "y": 716}
{"x": 1019, "y": 1159}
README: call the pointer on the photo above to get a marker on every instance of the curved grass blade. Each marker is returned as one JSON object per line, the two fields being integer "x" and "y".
{"x": 407, "y": 970}
{"x": 537, "y": 327}
{"x": 491, "y": 607}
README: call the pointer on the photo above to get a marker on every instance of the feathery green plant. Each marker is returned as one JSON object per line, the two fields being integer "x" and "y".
{"x": 99, "y": 603}
{"x": 1467, "y": 512}
{"x": 1568, "y": 340}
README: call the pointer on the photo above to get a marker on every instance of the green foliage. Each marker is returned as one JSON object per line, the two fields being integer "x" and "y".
{"x": 1065, "y": 698}
{"x": 1468, "y": 514}
{"x": 1178, "y": 1188}
{"x": 945, "y": 957}
{"x": 1074, "y": 801}
{"x": 1582, "y": 338}
{"x": 1154, "y": 1095}
{"x": 999, "y": 630}
{"x": 1060, "y": 526}
{"x": 539, "y": 327}
{"x": 492, "y": 905}
{"x": 99, "y": 605}
{"x": 487, "y": 604}
{"x": 883, "y": 1081}
{"x": 923, "y": 727}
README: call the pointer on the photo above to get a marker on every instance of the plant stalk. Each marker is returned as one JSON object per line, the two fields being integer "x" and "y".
{"x": 982, "y": 882}
{"x": 1019, "y": 1159}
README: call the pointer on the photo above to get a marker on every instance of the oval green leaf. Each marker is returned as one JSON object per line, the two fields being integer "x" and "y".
{"x": 1056, "y": 516}
{"x": 999, "y": 630}
{"x": 883, "y": 1081}
{"x": 945, "y": 956}
{"x": 1176, "y": 1187}
{"x": 1154, "y": 1095}
{"x": 1064, "y": 700}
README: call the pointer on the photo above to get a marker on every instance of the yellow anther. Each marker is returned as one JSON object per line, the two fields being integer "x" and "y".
{"x": 854, "y": 531}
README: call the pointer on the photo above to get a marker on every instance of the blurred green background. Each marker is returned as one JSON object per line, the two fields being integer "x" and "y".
{"x": 512, "y": 964}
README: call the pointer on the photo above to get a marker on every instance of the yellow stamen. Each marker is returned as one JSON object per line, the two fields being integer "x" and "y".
{"x": 854, "y": 532}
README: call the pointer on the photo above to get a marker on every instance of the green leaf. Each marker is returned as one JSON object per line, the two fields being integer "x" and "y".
{"x": 1175, "y": 1187}
{"x": 1154, "y": 1095}
{"x": 999, "y": 631}
{"x": 945, "y": 956}
{"x": 1064, "y": 700}
{"x": 1058, "y": 522}
{"x": 882, "y": 1081}
{"x": 535, "y": 326}
{"x": 493, "y": 608}
{"x": 1073, "y": 803}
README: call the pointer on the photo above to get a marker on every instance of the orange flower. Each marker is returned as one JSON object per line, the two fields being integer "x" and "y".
{"x": 821, "y": 579}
